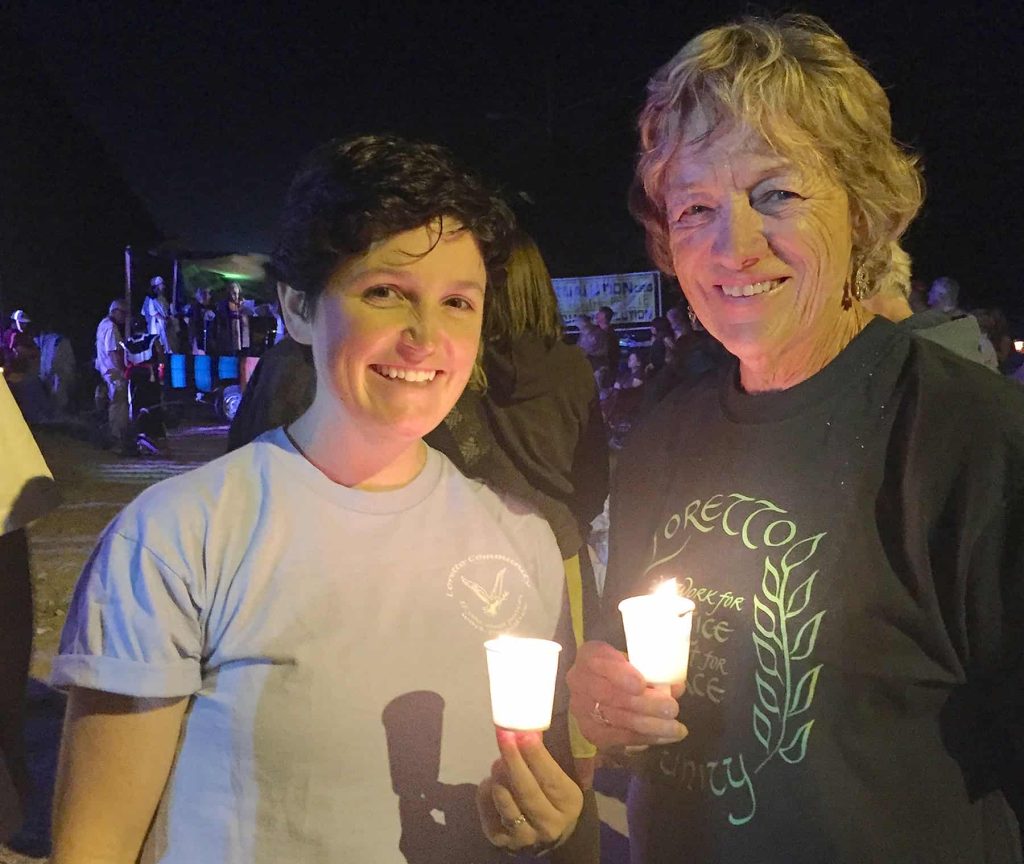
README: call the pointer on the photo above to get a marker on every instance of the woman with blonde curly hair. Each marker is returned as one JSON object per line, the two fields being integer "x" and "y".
{"x": 842, "y": 507}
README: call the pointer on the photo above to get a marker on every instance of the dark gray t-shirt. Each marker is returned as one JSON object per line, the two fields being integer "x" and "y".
{"x": 854, "y": 549}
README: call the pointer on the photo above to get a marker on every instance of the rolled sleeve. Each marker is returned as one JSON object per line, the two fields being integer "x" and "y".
{"x": 133, "y": 627}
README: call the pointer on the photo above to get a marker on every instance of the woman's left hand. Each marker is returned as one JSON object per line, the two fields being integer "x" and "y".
{"x": 528, "y": 801}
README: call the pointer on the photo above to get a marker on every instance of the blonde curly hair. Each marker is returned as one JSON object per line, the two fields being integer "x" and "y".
{"x": 797, "y": 83}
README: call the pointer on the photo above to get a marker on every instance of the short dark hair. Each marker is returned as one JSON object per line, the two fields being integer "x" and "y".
{"x": 608, "y": 311}
{"x": 352, "y": 193}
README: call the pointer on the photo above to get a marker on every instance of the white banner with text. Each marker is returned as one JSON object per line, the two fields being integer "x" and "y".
{"x": 634, "y": 297}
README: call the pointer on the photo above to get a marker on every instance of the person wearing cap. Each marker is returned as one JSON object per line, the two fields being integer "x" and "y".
{"x": 27, "y": 492}
{"x": 110, "y": 365}
{"x": 18, "y": 321}
{"x": 19, "y": 351}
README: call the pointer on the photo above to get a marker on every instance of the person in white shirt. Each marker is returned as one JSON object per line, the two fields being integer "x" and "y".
{"x": 279, "y": 656}
{"x": 110, "y": 365}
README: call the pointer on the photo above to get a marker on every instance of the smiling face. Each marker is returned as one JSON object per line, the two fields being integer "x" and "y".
{"x": 396, "y": 331}
{"x": 761, "y": 245}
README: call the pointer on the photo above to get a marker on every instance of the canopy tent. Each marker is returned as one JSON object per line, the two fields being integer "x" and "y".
{"x": 205, "y": 267}
{"x": 236, "y": 266}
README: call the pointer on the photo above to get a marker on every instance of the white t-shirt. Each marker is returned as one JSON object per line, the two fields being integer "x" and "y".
{"x": 108, "y": 338}
{"x": 313, "y": 624}
{"x": 27, "y": 490}
{"x": 155, "y": 310}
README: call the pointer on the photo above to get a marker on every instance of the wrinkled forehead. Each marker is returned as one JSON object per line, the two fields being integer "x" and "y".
{"x": 711, "y": 134}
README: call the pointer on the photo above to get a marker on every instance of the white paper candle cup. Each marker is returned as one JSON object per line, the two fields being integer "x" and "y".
{"x": 522, "y": 674}
{"x": 658, "y": 636}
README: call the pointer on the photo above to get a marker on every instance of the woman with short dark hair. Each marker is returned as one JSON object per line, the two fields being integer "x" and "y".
{"x": 280, "y": 655}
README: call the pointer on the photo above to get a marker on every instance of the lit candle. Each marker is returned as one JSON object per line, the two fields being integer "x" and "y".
{"x": 522, "y": 674}
{"x": 658, "y": 634}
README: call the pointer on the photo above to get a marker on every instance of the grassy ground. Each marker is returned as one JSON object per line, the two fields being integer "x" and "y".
{"x": 94, "y": 486}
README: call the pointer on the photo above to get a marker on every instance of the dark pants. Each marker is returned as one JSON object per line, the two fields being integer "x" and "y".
{"x": 15, "y": 650}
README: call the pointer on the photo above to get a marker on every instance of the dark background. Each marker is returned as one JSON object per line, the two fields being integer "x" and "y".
{"x": 133, "y": 122}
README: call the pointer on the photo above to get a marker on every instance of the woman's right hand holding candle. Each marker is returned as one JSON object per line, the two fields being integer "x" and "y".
{"x": 613, "y": 704}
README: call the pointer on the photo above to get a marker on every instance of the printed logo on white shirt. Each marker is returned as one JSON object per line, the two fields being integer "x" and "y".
{"x": 491, "y": 591}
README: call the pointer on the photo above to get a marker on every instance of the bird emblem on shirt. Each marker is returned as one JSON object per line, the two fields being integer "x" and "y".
{"x": 492, "y": 599}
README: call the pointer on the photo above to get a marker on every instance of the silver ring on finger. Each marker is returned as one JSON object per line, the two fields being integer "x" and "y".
{"x": 512, "y": 824}
{"x": 598, "y": 715}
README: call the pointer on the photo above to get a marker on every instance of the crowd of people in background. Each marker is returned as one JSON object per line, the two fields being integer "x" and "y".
{"x": 633, "y": 370}
{"x": 54, "y": 384}
{"x": 678, "y": 350}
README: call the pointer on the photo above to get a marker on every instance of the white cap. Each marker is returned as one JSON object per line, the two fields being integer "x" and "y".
{"x": 19, "y": 317}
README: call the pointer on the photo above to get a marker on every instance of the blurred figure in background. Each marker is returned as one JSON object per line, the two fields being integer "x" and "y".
{"x": 996, "y": 327}
{"x": 56, "y": 367}
{"x": 957, "y": 331}
{"x": 144, "y": 368}
{"x": 663, "y": 340}
{"x": 603, "y": 319}
{"x": 634, "y": 375}
{"x": 678, "y": 320}
{"x": 918, "y": 295}
{"x": 944, "y": 296}
{"x": 19, "y": 353}
{"x": 202, "y": 322}
{"x": 280, "y": 389}
{"x": 280, "y": 328}
{"x": 694, "y": 354}
{"x": 233, "y": 322}
{"x": 594, "y": 343}
{"x": 112, "y": 394}
{"x": 20, "y": 358}
{"x": 157, "y": 312}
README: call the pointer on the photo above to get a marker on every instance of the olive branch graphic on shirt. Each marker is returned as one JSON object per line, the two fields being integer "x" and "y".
{"x": 784, "y": 637}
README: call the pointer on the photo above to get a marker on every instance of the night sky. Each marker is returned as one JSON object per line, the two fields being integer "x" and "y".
{"x": 206, "y": 109}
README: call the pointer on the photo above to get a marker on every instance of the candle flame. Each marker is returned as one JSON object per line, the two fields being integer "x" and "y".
{"x": 668, "y": 588}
